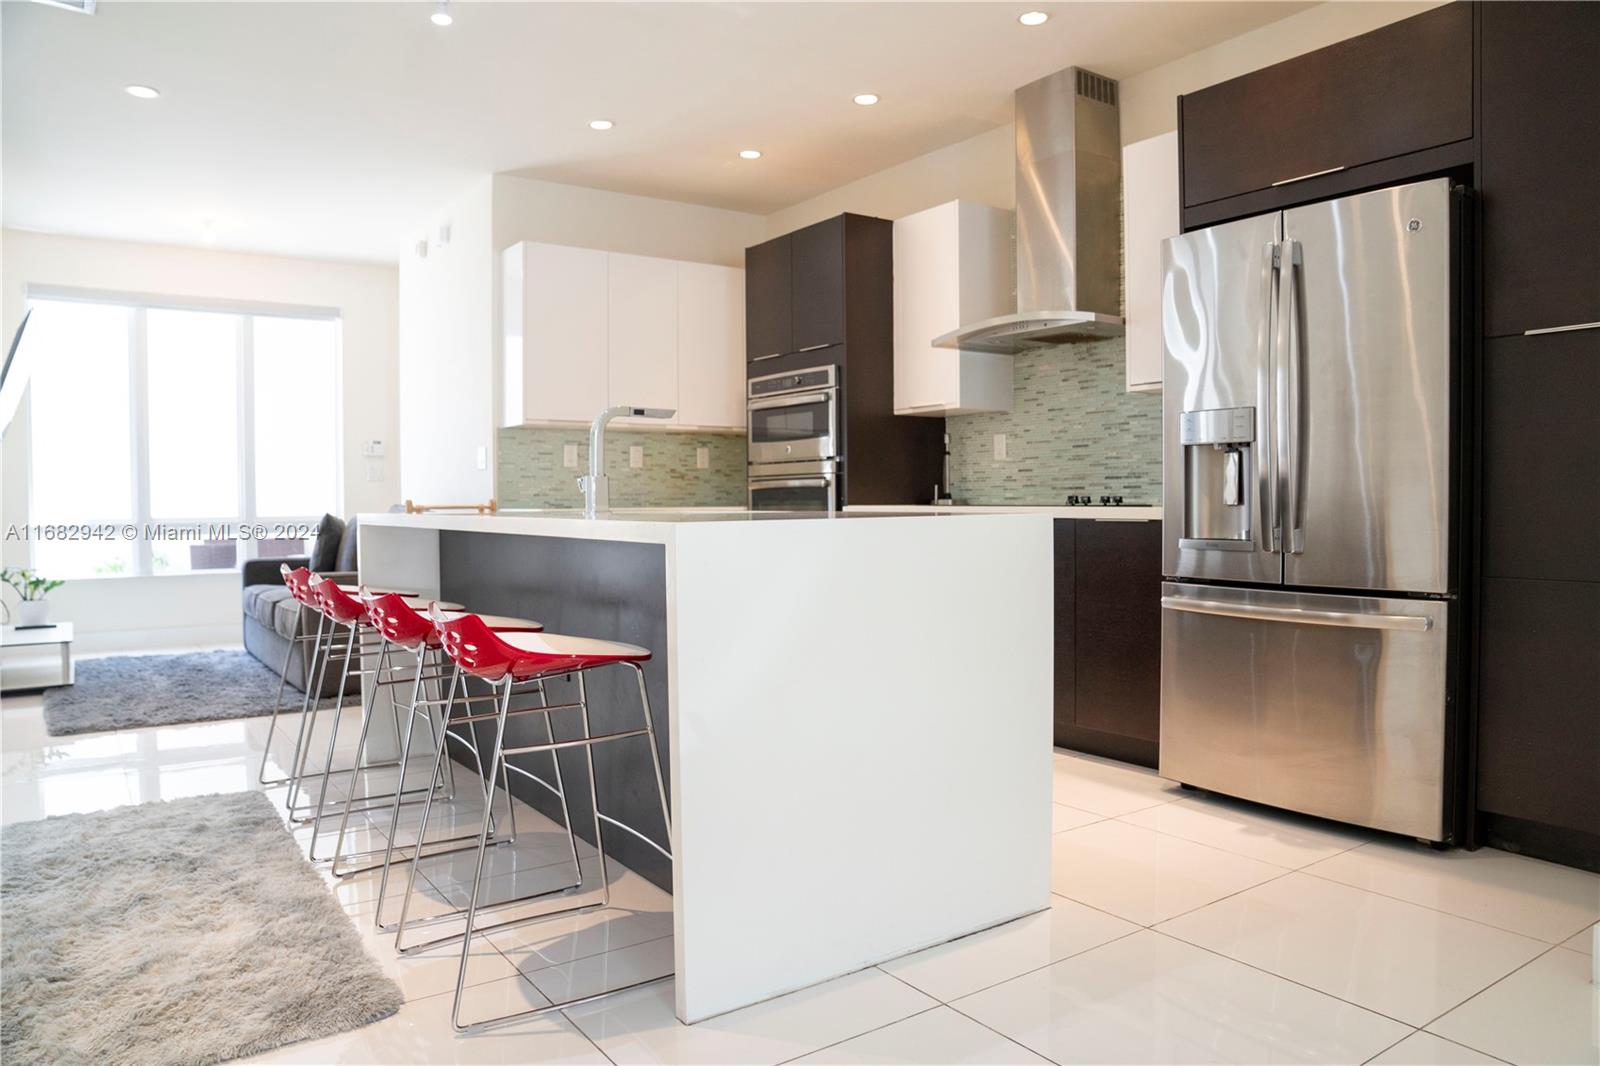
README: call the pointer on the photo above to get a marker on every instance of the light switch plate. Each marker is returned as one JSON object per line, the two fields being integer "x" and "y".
{"x": 375, "y": 471}
{"x": 372, "y": 449}
{"x": 569, "y": 456}
{"x": 636, "y": 456}
{"x": 482, "y": 457}
{"x": 702, "y": 458}
{"x": 1000, "y": 450}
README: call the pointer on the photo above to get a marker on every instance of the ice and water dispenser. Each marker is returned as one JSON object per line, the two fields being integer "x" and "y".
{"x": 1219, "y": 474}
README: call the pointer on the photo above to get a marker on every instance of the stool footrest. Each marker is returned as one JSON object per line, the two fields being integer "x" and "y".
{"x": 581, "y": 742}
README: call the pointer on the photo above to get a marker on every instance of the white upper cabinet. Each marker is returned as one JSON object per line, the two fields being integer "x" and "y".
{"x": 1149, "y": 216}
{"x": 642, "y": 320}
{"x": 556, "y": 349}
{"x": 711, "y": 367}
{"x": 585, "y": 330}
{"x": 952, "y": 267}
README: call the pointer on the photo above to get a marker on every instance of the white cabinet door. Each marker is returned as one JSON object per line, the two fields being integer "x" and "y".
{"x": 642, "y": 321}
{"x": 951, "y": 268}
{"x": 1149, "y": 216}
{"x": 555, "y": 333}
{"x": 711, "y": 366}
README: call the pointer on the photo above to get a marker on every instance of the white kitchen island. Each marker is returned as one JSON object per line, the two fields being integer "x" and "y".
{"x": 857, "y": 711}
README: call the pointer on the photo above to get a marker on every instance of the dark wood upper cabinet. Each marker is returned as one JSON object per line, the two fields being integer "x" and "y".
{"x": 818, "y": 294}
{"x": 1402, "y": 88}
{"x": 1541, "y": 164}
{"x": 1541, "y": 457}
{"x": 768, "y": 312}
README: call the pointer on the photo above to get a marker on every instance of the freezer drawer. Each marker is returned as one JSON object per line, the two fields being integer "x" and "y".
{"x": 1327, "y": 705}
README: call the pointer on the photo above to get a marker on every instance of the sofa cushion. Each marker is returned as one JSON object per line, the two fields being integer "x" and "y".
{"x": 325, "y": 549}
{"x": 263, "y": 603}
{"x": 283, "y": 618}
{"x": 347, "y": 547}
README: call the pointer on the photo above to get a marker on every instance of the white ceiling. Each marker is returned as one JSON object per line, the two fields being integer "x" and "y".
{"x": 327, "y": 129}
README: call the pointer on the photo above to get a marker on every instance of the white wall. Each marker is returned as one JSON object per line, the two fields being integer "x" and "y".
{"x": 449, "y": 306}
{"x": 446, "y": 346}
{"x": 130, "y": 612}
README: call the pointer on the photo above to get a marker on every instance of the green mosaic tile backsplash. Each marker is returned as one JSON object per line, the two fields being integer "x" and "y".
{"x": 531, "y": 473}
{"x": 1073, "y": 428}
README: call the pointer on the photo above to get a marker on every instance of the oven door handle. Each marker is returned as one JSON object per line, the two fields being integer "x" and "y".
{"x": 820, "y": 482}
{"x": 791, "y": 401}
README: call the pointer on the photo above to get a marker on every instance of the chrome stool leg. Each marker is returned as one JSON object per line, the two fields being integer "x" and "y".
{"x": 277, "y": 703}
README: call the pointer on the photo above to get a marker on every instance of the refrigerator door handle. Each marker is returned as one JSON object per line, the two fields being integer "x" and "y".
{"x": 1291, "y": 369}
{"x": 1266, "y": 496}
{"x": 1259, "y": 613}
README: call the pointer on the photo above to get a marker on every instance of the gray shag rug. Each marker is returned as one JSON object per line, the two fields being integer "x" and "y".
{"x": 186, "y": 932}
{"x": 130, "y": 691}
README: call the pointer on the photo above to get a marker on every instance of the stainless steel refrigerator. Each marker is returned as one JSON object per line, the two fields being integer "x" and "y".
{"x": 1309, "y": 508}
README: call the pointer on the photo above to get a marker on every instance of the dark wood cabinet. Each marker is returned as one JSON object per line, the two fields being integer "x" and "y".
{"x": 818, "y": 294}
{"x": 825, "y": 295}
{"x": 1540, "y": 136}
{"x": 1541, "y": 457}
{"x": 768, "y": 317}
{"x": 1108, "y": 638}
{"x": 1539, "y": 704}
{"x": 1401, "y": 89}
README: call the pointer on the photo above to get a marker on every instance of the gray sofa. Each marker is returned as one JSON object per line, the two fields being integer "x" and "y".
{"x": 269, "y": 610}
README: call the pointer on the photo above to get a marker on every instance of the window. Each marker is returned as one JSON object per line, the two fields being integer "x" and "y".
{"x": 186, "y": 421}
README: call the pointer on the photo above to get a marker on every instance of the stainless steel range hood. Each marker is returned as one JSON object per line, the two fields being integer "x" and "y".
{"x": 1069, "y": 219}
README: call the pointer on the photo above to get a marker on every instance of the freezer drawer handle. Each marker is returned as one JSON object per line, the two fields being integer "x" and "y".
{"x": 1408, "y": 622}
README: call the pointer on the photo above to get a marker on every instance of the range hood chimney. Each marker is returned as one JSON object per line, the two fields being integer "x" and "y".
{"x": 1069, "y": 221}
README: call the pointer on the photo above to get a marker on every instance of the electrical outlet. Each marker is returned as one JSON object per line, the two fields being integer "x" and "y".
{"x": 636, "y": 456}
{"x": 569, "y": 456}
{"x": 1000, "y": 449}
{"x": 702, "y": 458}
{"x": 482, "y": 457}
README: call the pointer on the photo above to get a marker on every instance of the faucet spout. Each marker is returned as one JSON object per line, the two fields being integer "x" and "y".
{"x": 596, "y": 486}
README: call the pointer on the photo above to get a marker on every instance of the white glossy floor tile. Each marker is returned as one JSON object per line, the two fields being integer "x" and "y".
{"x": 433, "y": 971}
{"x": 1149, "y": 999}
{"x": 1063, "y": 817}
{"x": 975, "y": 962}
{"x": 1106, "y": 788}
{"x": 607, "y": 971}
{"x": 1583, "y": 941}
{"x": 1424, "y": 1049}
{"x": 639, "y": 1027}
{"x": 639, "y": 912}
{"x": 1145, "y": 876}
{"x": 938, "y": 1037}
{"x": 1256, "y": 832}
{"x": 1537, "y": 899}
{"x": 1546, "y": 1012}
{"x": 1397, "y": 958}
{"x": 421, "y": 1033}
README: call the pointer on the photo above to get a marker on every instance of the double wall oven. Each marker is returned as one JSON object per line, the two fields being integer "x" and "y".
{"x": 793, "y": 425}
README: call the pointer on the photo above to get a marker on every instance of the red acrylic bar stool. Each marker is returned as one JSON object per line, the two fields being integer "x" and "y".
{"x": 507, "y": 661}
{"x": 407, "y": 628}
{"x": 342, "y": 609}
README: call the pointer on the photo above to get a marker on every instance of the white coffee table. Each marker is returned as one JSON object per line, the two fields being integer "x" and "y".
{"x": 24, "y": 663}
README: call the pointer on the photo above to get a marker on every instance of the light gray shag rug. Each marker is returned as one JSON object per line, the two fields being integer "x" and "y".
{"x": 186, "y": 932}
{"x": 129, "y": 691}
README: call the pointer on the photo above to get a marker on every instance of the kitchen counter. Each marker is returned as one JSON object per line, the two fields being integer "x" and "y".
{"x": 846, "y": 700}
{"x": 1130, "y": 513}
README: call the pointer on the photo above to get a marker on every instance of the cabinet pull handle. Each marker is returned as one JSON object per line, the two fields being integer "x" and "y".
{"x": 1561, "y": 329}
{"x": 922, "y": 406}
{"x": 812, "y": 348}
{"x": 759, "y": 358}
{"x": 1303, "y": 177}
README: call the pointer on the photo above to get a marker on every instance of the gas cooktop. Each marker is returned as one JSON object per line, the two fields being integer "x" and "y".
{"x": 1091, "y": 501}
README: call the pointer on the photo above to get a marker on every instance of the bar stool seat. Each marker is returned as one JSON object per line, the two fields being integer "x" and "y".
{"x": 557, "y": 653}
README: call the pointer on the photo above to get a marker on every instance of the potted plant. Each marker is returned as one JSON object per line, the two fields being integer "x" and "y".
{"x": 34, "y": 610}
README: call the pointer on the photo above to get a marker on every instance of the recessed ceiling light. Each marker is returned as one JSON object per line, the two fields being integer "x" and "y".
{"x": 601, "y": 124}
{"x": 1033, "y": 18}
{"x": 866, "y": 99}
{"x": 143, "y": 92}
{"x": 749, "y": 153}
{"x": 441, "y": 14}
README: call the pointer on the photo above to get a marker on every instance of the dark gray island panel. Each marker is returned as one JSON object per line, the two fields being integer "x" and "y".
{"x": 611, "y": 590}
